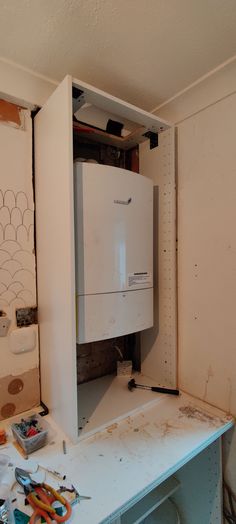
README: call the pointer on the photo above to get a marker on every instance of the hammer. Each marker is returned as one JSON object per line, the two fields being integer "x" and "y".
{"x": 132, "y": 384}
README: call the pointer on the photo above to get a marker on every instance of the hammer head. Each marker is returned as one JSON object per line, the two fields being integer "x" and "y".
{"x": 131, "y": 384}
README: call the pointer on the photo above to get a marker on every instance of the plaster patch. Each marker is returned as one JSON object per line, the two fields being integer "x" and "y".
{"x": 18, "y": 394}
{"x": 10, "y": 113}
{"x": 8, "y": 410}
{"x": 15, "y": 386}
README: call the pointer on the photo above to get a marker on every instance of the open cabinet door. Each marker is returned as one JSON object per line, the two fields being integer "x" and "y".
{"x": 55, "y": 257}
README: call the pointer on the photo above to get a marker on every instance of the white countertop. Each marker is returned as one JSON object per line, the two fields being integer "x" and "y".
{"x": 121, "y": 464}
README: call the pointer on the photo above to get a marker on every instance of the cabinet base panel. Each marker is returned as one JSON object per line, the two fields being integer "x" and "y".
{"x": 105, "y": 401}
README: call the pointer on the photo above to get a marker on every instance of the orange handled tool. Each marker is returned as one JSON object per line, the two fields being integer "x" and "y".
{"x": 41, "y": 498}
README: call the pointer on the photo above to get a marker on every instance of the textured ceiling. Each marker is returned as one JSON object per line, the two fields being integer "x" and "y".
{"x": 143, "y": 51}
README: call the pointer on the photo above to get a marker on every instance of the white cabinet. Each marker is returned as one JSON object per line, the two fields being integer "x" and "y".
{"x": 104, "y": 401}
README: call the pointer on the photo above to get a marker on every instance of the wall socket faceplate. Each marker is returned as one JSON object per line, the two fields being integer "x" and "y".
{"x": 4, "y": 326}
{"x": 22, "y": 340}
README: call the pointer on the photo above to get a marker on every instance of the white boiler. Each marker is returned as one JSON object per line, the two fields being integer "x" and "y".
{"x": 114, "y": 251}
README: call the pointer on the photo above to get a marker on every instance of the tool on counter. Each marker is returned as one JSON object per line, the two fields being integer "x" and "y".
{"x": 132, "y": 384}
{"x": 72, "y": 495}
{"x": 33, "y": 468}
{"x": 4, "y": 511}
{"x": 20, "y": 517}
{"x": 31, "y": 433}
{"x": 41, "y": 497}
{"x": 64, "y": 447}
{"x": 53, "y": 472}
{"x": 4, "y": 463}
{"x": 3, "y": 437}
{"x": 28, "y": 427}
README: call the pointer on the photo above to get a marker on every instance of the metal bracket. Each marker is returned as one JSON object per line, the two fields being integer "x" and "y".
{"x": 153, "y": 137}
{"x": 45, "y": 409}
{"x": 78, "y": 98}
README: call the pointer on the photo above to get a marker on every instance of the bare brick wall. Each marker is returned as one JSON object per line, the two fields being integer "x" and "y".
{"x": 97, "y": 359}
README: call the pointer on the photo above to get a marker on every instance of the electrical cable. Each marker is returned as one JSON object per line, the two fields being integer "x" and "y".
{"x": 119, "y": 351}
{"x": 178, "y": 521}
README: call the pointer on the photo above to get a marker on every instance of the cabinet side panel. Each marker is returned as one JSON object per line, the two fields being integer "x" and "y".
{"x": 199, "y": 498}
{"x": 159, "y": 344}
{"x": 55, "y": 257}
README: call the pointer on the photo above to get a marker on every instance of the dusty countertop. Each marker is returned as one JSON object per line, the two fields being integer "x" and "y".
{"x": 121, "y": 464}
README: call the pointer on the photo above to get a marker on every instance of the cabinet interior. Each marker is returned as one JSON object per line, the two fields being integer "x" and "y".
{"x": 103, "y": 397}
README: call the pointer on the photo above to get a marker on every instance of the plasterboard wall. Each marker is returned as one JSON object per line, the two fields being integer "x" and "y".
{"x": 19, "y": 373}
{"x": 207, "y": 254}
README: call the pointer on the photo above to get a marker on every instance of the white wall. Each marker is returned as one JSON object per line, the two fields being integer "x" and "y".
{"x": 20, "y": 85}
{"x": 207, "y": 91}
{"x": 17, "y": 259}
{"x": 19, "y": 373}
{"x": 207, "y": 254}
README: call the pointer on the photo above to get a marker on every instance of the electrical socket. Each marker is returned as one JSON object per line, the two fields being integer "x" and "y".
{"x": 26, "y": 316}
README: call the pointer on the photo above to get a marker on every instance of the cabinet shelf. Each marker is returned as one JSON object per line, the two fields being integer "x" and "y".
{"x": 150, "y": 502}
{"x": 99, "y": 136}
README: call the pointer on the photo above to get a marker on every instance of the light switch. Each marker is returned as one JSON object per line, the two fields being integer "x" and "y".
{"x": 22, "y": 340}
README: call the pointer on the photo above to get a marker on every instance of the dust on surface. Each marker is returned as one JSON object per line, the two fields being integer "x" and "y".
{"x": 210, "y": 375}
{"x": 202, "y": 416}
{"x": 111, "y": 428}
{"x": 167, "y": 428}
{"x": 141, "y": 430}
